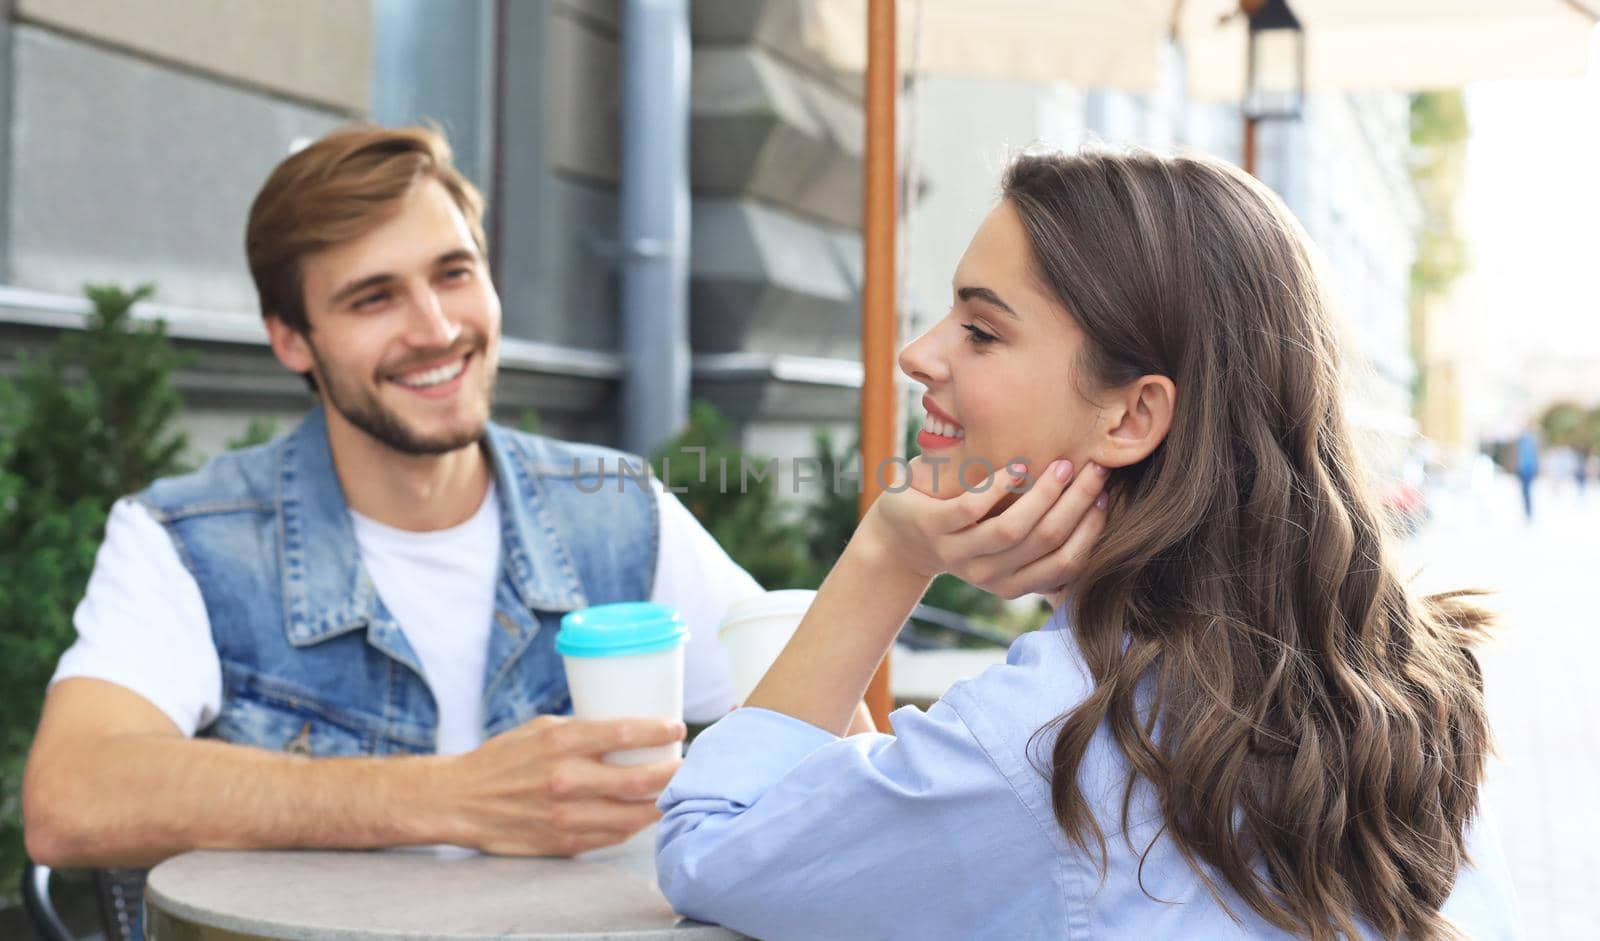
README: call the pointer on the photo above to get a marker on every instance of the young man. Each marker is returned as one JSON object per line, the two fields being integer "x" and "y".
{"x": 345, "y": 638}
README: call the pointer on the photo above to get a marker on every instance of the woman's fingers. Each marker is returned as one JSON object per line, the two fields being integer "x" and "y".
{"x": 1043, "y": 533}
{"x": 967, "y": 537}
{"x": 1012, "y": 526}
{"x": 1058, "y": 569}
{"x": 977, "y": 502}
{"x": 1061, "y": 519}
{"x": 970, "y": 514}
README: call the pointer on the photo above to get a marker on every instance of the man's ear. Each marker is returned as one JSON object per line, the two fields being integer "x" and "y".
{"x": 1139, "y": 415}
{"x": 289, "y": 345}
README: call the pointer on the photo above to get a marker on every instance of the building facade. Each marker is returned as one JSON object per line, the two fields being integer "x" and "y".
{"x": 138, "y": 131}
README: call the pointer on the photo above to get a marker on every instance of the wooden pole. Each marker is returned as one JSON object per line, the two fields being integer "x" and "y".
{"x": 1250, "y": 145}
{"x": 879, "y": 316}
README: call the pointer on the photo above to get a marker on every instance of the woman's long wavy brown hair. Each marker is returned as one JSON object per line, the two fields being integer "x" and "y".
{"x": 1309, "y": 713}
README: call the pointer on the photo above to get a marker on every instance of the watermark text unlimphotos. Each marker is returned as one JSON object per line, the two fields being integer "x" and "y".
{"x": 805, "y": 474}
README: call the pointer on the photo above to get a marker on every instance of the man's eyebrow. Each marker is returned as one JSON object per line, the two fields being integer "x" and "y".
{"x": 451, "y": 257}
{"x": 988, "y": 297}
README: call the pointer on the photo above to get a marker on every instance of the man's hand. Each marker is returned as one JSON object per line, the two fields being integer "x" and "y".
{"x": 542, "y": 790}
{"x": 1035, "y": 545}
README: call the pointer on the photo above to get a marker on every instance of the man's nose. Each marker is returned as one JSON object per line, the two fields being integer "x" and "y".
{"x": 430, "y": 324}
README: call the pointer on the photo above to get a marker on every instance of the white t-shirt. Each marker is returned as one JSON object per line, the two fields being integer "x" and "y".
{"x": 440, "y": 587}
{"x": 143, "y": 624}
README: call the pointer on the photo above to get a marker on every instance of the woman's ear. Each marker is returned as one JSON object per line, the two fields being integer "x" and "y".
{"x": 1138, "y": 417}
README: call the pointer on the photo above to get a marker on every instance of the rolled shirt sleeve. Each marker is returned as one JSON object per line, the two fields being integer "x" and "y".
{"x": 780, "y": 830}
{"x": 142, "y": 623}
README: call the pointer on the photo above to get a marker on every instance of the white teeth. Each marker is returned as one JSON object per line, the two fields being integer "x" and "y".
{"x": 941, "y": 428}
{"x": 434, "y": 376}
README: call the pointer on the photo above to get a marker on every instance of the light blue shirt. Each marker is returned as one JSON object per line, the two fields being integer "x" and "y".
{"x": 780, "y": 830}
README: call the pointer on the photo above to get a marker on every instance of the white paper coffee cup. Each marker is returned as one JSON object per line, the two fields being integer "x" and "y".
{"x": 625, "y": 661}
{"x": 756, "y": 629}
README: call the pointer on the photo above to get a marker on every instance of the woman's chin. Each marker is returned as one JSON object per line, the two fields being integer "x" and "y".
{"x": 937, "y": 473}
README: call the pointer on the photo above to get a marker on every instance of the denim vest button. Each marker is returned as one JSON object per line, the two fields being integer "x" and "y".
{"x": 300, "y": 744}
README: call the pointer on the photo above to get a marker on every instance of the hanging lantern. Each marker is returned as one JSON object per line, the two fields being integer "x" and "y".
{"x": 1276, "y": 62}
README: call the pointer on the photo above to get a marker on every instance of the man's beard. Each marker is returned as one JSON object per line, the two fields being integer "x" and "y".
{"x": 366, "y": 413}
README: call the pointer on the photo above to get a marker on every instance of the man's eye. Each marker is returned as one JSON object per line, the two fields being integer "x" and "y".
{"x": 370, "y": 300}
{"x": 457, "y": 274}
{"x": 977, "y": 336}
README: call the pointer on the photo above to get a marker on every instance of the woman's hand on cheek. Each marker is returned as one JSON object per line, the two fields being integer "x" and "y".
{"x": 1034, "y": 546}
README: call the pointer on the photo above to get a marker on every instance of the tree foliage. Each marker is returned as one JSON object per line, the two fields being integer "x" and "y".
{"x": 734, "y": 497}
{"x": 1439, "y": 145}
{"x": 1566, "y": 424}
{"x": 85, "y": 422}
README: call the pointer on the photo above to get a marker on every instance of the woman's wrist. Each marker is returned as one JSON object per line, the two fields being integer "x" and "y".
{"x": 873, "y": 549}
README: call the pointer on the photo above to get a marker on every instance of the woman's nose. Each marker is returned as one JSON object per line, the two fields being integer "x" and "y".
{"x": 923, "y": 358}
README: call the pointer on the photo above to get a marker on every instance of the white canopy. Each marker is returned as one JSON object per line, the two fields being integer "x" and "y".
{"x": 1351, "y": 45}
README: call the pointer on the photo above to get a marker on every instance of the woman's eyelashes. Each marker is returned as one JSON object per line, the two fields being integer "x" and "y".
{"x": 977, "y": 336}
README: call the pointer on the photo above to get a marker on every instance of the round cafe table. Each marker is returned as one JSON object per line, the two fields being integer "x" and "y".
{"x": 216, "y": 895}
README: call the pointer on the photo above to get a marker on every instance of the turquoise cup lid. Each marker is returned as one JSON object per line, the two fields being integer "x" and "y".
{"x": 617, "y": 630}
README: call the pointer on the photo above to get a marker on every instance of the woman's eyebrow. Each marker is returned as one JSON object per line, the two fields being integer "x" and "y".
{"x": 988, "y": 297}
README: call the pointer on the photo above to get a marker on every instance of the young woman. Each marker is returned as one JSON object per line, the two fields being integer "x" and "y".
{"x": 1239, "y": 723}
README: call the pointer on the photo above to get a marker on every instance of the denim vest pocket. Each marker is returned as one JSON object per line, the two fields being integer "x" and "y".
{"x": 272, "y": 716}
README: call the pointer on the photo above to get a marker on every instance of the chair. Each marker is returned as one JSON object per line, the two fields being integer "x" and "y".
{"x": 47, "y": 924}
{"x": 950, "y": 630}
{"x": 120, "y": 893}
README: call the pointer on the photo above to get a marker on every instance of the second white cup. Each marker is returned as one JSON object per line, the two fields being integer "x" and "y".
{"x": 755, "y": 630}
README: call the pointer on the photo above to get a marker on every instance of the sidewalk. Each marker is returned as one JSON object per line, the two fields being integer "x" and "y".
{"x": 1543, "y": 687}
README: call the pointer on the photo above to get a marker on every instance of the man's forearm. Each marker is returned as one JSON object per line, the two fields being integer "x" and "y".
{"x": 133, "y": 799}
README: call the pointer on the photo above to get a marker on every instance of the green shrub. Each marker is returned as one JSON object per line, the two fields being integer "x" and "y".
{"x": 259, "y": 431}
{"x": 84, "y": 423}
{"x": 744, "y": 514}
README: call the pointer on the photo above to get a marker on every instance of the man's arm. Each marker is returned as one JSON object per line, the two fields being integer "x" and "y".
{"x": 112, "y": 782}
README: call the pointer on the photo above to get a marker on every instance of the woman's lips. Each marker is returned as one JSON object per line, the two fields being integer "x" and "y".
{"x": 934, "y": 427}
{"x": 928, "y": 441}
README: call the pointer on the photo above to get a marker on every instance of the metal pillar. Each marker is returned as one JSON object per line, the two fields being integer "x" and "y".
{"x": 654, "y": 224}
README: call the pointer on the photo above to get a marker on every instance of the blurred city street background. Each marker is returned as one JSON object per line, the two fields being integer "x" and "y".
{"x": 1540, "y": 675}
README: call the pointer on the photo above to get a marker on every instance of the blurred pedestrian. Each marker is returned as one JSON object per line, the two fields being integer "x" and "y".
{"x": 1527, "y": 468}
{"x": 1561, "y": 464}
{"x": 1582, "y": 470}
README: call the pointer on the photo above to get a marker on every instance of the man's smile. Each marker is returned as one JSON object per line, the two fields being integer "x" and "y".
{"x": 438, "y": 378}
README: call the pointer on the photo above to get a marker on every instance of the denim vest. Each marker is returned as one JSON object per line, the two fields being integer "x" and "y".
{"x": 312, "y": 661}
